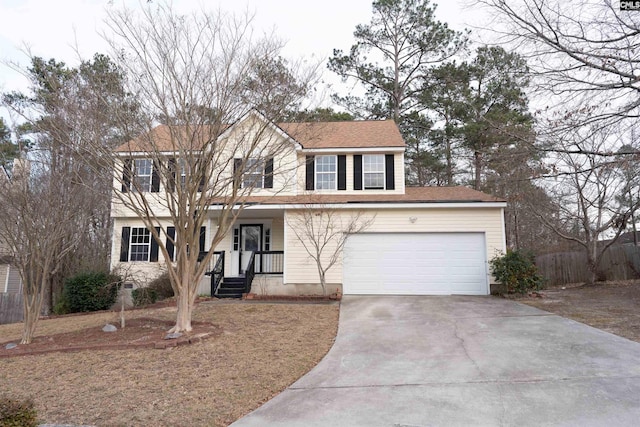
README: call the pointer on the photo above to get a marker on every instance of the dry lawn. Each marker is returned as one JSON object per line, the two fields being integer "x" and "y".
{"x": 262, "y": 349}
{"x": 610, "y": 306}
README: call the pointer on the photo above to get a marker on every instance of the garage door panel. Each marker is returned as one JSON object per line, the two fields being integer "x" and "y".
{"x": 415, "y": 264}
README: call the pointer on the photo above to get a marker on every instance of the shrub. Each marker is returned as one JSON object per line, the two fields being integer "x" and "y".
{"x": 159, "y": 289}
{"x": 62, "y": 306}
{"x": 91, "y": 291}
{"x": 17, "y": 413}
{"x": 517, "y": 271}
{"x": 162, "y": 286}
{"x": 144, "y": 296}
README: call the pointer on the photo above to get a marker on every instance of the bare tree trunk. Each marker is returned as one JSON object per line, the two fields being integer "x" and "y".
{"x": 323, "y": 282}
{"x": 32, "y": 304}
{"x": 185, "y": 304}
{"x": 447, "y": 141}
{"x": 593, "y": 270}
{"x": 477, "y": 160}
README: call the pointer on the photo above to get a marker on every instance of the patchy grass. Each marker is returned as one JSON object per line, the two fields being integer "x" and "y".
{"x": 262, "y": 349}
{"x": 610, "y": 306}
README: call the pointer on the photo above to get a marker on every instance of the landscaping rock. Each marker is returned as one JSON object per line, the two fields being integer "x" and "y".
{"x": 109, "y": 328}
{"x": 173, "y": 336}
{"x": 11, "y": 346}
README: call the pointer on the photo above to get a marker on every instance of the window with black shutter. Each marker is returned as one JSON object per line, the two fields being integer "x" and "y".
{"x": 357, "y": 172}
{"x": 309, "y": 173}
{"x": 389, "y": 172}
{"x": 342, "y": 172}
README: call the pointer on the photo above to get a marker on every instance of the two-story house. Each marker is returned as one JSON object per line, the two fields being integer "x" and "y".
{"x": 421, "y": 240}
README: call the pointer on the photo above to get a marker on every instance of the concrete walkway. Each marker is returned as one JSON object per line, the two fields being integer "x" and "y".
{"x": 461, "y": 361}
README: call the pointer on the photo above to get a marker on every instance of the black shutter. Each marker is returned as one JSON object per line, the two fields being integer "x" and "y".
{"x": 268, "y": 173}
{"x": 310, "y": 185}
{"x": 203, "y": 238}
{"x": 201, "y": 183}
{"x": 126, "y": 175}
{"x": 155, "y": 177}
{"x": 172, "y": 173}
{"x": 171, "y": 233}
{"x": 342, "y": 172}
{"x": 153, "y": 255}
{"x": 388, "y": 168}
{"x": 124, "y": 244}
{"x": 237, "y": 176}
{"x": 357, "y": 172}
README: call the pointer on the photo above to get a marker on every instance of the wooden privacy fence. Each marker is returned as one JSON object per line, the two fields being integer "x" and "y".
{"x": 10, "y": 308}
{"x": 618, "y": 263}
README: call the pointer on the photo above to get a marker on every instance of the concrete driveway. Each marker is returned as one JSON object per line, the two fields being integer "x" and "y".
{"x": 461, "y": 361}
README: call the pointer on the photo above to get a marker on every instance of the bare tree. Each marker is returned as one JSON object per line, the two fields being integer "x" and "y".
{"x": 587, "y": 190}
{"x": 323, "y": 231}
{"x": 66, "y": 111}
{"x": 37, "y": 228}
{"x": 201, "y": 75}
{"x": 586, "y": 56}
{"x": 585, "y": 66}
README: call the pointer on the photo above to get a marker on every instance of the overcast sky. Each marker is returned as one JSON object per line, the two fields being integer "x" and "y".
{"x": 50, "y": 28}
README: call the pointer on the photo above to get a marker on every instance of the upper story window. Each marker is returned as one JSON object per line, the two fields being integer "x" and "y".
{"x": 255, "y": 173}
{"x": 373, "y": 171}
{"x": 142, "y": 175}
{"x": 140, "y": 244}
{"x": 183, "y": 169}
{"x": 326, "y": 172}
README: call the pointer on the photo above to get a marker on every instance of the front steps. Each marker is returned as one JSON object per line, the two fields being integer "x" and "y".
{"x": 231, "y": 287}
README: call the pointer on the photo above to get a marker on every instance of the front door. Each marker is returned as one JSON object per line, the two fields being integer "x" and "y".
{"x": 250, "y": 242}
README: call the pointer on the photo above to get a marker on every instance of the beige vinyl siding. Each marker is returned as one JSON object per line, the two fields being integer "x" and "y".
{"x": 284, "y": 168}
{"x": 277, "y": 234}
{"x": 299, "y": 268}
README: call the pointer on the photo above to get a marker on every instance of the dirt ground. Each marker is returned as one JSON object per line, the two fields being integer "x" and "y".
{"x": 611, "y": 306}
{"x": 252, "y": 351}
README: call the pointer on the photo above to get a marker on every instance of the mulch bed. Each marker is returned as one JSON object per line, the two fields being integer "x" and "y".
{"x": 140, "y": 332}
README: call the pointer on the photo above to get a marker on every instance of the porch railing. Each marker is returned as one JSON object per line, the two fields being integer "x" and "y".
{"x": 249, "y": 273}
{"x": 217, "y": 272}
{"x": 269, "y": 262}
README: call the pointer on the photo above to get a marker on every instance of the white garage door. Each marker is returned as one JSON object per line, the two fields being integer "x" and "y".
{"x": 415, "y": 264}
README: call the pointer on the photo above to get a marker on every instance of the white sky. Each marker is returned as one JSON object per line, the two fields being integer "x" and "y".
{"x": 312, "y": 29}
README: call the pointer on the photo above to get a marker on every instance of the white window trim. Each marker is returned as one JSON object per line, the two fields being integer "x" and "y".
{"x": 335, "y": 173}
{"x": 182, "y": 172}
{"x": 135, "y": 176}
{"x": 384, "y": 173}
{"x": 261, "y": 163}
{"x": 131, "y": 243}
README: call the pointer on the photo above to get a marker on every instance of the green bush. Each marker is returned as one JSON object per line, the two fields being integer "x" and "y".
{"x": 62, "y": 306}
{"x": 91, "y": 291}
{"x": 159, "y": 289}
{"x": 17, "y": 413}
{"x": 517, "y": 271}
{"x": 144, "y": 296}
{"x": 162, "y": 286}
